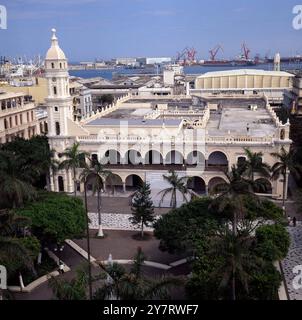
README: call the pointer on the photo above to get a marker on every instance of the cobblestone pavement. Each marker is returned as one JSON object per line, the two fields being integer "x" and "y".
{"x": 114, "y": 221}
{"x": 293, "y": 259}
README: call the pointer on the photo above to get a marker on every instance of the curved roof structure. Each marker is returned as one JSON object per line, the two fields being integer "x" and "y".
{"x": 244, "y": 72}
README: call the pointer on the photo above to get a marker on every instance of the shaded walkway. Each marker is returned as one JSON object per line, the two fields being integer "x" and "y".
{"x": 123, "y": 247}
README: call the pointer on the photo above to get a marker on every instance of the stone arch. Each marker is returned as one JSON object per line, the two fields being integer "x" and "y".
{"x": 263, "y": 185}
{"x": 90, "y": 180}
{"x": 61, "y": 184}
{"x": 133, "y": 182}
{"x": 111, "y": 156}
{"x": 114, "y": 183}
{"x": 214, "y": 183}
{"x": 174, "y": 157}
{"x": 133, "y": 157}
{"x": 195, "y": 157}
{"x": 154, "y": 157}
{"x": 197, "y": 184}
{"x": 218, "y": 159}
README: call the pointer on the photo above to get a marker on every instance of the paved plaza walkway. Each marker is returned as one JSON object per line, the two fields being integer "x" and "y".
{"x": 293, "y": 259}
{"x": 116, "y": 205}
{"x": 122, "y": 247}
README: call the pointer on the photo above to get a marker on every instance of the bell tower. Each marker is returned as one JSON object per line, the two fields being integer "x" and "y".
{"x": 59, "y": 101}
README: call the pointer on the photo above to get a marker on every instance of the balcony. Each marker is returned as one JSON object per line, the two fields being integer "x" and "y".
{"x": 162, "y": 167}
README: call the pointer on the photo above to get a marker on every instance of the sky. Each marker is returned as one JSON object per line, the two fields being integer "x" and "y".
{"x": 104, "y": 29}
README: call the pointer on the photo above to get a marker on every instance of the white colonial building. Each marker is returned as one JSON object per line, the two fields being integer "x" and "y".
{"x": 141, "y": 139}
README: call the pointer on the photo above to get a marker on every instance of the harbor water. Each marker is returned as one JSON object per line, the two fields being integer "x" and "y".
{"x": 108, "y": 73}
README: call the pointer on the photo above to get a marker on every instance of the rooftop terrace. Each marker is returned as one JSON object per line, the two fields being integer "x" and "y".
{"x": 135, "y": 122}
{"x": 241, "y": 121}
{"x": 232, "y": 117}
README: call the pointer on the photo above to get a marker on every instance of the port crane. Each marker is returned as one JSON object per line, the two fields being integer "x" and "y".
{"x": 187, "y": 55}
{"x": 181, "y": 55}
{"x": 191, "y": 54}
{"x": 246, "y": 51}
{"x": 215, "y": 51}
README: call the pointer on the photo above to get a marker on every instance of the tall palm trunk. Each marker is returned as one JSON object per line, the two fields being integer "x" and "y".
{"x": 88, "y": 243}
{"x": 284, "y": 190}
{"x": 100, "y": 232}
{"x": 174, "y": 199}
{"x": 74, "y": 181}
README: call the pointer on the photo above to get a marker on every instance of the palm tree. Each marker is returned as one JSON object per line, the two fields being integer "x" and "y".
{"x": 70, "y": 290}
{"x": 232, "y": 194}
{"x": 284, "y": 164}
{"x": 134, "y": 285}
{"x": 178, "y": 184}
{"x": 254, "y": 164}
{"x": 236, "y": 256}
{"x": 99, "y": 175}
{"x": 74, "y": 158}
{"x": 116, "y": 282}
{"x": 15, "y": 187}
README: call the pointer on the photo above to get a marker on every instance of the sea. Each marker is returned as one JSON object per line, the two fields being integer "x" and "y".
{"x": 188, "y": 70}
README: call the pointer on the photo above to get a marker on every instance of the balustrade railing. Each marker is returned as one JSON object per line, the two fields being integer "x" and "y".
{"x": 180, "y": 139}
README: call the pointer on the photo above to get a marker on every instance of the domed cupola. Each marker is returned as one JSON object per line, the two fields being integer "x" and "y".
{"x": 55, "y": 57}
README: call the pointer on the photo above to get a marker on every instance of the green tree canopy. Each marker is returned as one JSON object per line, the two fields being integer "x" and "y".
{"x": 17, "y": 252}
{"x": 180, "y": 229}
{"x": 225, "y": 264}
{"x": 35, "y": 156}
{"x": 272, "y": 242}
{"x": 55, "y": 217}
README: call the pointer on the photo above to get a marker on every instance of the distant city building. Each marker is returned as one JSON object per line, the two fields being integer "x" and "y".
{"x": 87, "y": 64}
{"x": 177, "y": 68}
{"x": 37, "y": 89}
{"x": 293, "y": 98}
{"x": 169, "y": 77}
{"x": 160, "y": 60}
{"x": 82, "y": 100}
{"x": 19, "y": 117}
{"x": 125, "y": 61}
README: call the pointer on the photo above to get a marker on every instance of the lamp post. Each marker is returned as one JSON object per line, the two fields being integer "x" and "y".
{"x": 88, "y": 241}
{"x": 59, "y": 249}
